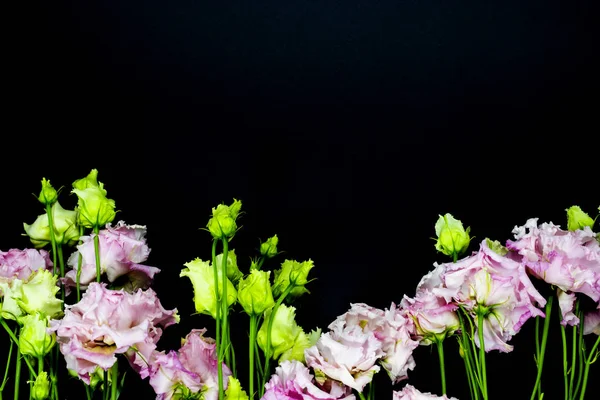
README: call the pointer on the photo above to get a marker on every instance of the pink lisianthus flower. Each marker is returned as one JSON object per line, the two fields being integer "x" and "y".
{"x": 569, "y": 260}
{"x": 170, "y": 377}
{"x": 350, "y": 350}
{"x": 433, "y": 317}
{"x": 293, "y": 381}
{"x": 191, "y": 369}
{"x": 496, "y": 286}
{"x": 20, "y": 264}
{"x": 397, "y": 344}
{"x": 106, "y": 323}
{"x": 409, "y": 392}
{"x": 122, "y": 250}
{"x": 358, "y": 340}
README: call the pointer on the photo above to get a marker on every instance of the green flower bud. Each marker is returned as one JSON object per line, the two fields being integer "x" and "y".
{"x": 303, "y": 342}
{"x": 38, "y": 294}
{"x": 233, "y": 272}
{"x": 10, "y": 293}
{"x": 284, "y": 331}
{"x": 95, "y": 209}
{"x": 254, "y": 292}
{"x": 202, "y": 276}
{"x": 234, "y": 390}
{"x": 453, "y": 239}
{"x": 41, "y": 387}
{"x": 292, "y": 273}
{"x": 577, "y": 219}
{"x": 48, "y": 195}
{"x": 269, "y": 248}
{"x": 33, "y": 339}
{"x": 65, "y": 228}
{"x": 223, "y": 221}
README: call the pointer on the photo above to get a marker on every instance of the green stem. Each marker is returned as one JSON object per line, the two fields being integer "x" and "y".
{"x": 541, "y": 351}
{"x": 52, "y": 236}
{"x": 468, "y": 355}
{"x": 573, "y": 360}
{"x": 218, "y": 322}
{"x": 565, "y": 364}
{"x": 483, "y": 372}
{"x": 440, "y": 349}
{"x": 54, "y": 381}
{"x": 251, "y": 344}
{"x": 79, "y": 264}
{"x": 17, "y": 374}
{"x": 362, "y": 396}
{"x": 226, "y": 343}
{"x": 62, "y": 274}
{"x": 581, "y": 355}
{"x": 591, "y": 358}
{"x": 115, "y": 380}
{"x": 97, "y": 251}
{"x": 5, "y": 378}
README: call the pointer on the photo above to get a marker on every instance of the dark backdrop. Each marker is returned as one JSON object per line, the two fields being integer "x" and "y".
{"x": 345, "y": 127}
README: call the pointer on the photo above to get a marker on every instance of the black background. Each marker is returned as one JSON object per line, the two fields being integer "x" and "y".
{"x": 345, "y": 127}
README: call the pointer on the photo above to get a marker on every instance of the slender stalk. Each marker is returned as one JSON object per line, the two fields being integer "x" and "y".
{"x": 52, "y": 236}
{"x": 40, "y": 364}
{"x": 483, "y": 372}
{"x": 565, "y": 364}
{"x": 97, "y": 251}
{"x": 440, "y": 349}
{"x": 79, "y": 263}
{"x": 251, "y": 349}
{"x": 225, "y": 343}
{"x": 362, "y": 396}
{"x": 573, "y": 360}
{"x": 17, "y": 374}
{"x": 218, "y": 322}
{"x": 5, "y": 378}
{"x": 541, "y": 351}
{"x": 115, "y": 380}
{"x": 581, "y": 349}
{"x": 589, "y": 361}
{"x": 463, "y": 344}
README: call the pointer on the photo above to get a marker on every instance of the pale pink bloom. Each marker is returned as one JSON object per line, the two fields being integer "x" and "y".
{"x": 359, "y": 339}
{"x": 409, "y": 392}
{"x": 106, "y": 323}
{"x": 122, "y": 250}
{"x": 193, "y": 366}
{"x": 350, "y": 350}
{"x": 293, "y": 381}
{"x": 434, "y": 318}
{"x": 489, "y": 281}
{"x": 199, "y": 355}
{"x": 20, "y": 264}
{"x": 349, "y": 358}
{"x": 566, "y": 303}
{"x": 169, "y": 375}
{"x": 397, "y": 344}
{"x": 569, "y": 260}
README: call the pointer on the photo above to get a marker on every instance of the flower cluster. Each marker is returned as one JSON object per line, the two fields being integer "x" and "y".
{"x": 83, "y": 294}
